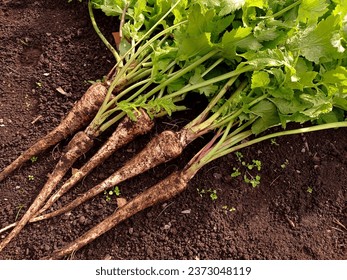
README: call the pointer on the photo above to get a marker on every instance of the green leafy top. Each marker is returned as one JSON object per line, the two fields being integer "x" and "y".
{"x": 291, "y": 53}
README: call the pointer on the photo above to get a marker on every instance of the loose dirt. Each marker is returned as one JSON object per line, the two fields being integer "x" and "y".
{"x": 298, "y": 211}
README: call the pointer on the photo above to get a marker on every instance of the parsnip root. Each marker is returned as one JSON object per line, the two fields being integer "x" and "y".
{"x": 164, "y": 190}
{"x": 126, "y": 131}
{"x": 83, "y": 144}
{"x": 80, "y": 115}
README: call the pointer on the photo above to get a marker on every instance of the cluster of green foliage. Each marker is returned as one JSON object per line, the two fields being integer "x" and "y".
{"x": 294, "y": 59}
{"x": 253, "y": 180}
{"x": 259, "y": 63}
{"x": 212, "y": 193}
{"x": 115, "y": 191}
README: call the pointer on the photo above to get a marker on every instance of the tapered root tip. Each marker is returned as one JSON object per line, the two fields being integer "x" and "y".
{"x": 162, "y": 191}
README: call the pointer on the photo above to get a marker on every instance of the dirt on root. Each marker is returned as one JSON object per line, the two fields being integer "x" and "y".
{"x": 297, "y": 211}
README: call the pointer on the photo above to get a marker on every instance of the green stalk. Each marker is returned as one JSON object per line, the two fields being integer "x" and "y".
{"x": 159, "y": 88}
{"x": 148, "y": 33}
{"x": 232, "y": 149}
{"x": 121, "y": 115}
{"x": 211, "y": 81}
{"x": 201, "y": 159}
{"x": 214, "y": 65}
{"x": 109, "y": 112}
{"x": 162, "y": 91}
{"x": 143, "y": 64}
{"x": 169, "y": 69}
{"x": 140, "y": 51}
{"x": 131, "y": 60}
{"x": 198, "y": 125}
{"x": 228, "y": 139}
{"x": 206, "y": 154}
{"x": 102, "y": 37}
{"x": 179, "y": 74}
{"x": 131, "y": 88}
{"x": 109, "y": 123}
{"x": 140, "y": 74}
{"x": 164, "y": 113}
{"x": 286, "y": 9}
{"x": 232, "y": 116}
{"x": 146, "y": 83}
{"x": 123, "y": 69}
{"x": 113, "y": 102}
{"x": 239, "y": 130}
{"x": 147, "y": 64}
{"x": 97, "y": 119}
{"x": 232, "y": 141}
{"x": 180, "y": 97}
{"x": 215, "y": 148}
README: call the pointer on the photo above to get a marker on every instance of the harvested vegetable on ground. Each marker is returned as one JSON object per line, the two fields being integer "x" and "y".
{"x": 262, "y": 103}
{"x": 78, "y": 117}
{"x": 122, "y": 75}
{"x": 134, "y": 69}
{"x": 197, "y": 59}
{"x": 126, "y": 131}
{"x": 175, "y": 183}
{"x": 166, "y": 102}
{"x": 283, "y": 64}
{"x": 302, "y": 89}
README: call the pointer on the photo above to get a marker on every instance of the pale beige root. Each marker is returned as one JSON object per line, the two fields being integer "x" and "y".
{"x": 160, "y": 149}
{"x": 164, "y": 190}
{"x": 78, "y": 145}
{"x": 79, "y": 116}
{"x": 166, "y": 146}
{"x": 126, "y": 131}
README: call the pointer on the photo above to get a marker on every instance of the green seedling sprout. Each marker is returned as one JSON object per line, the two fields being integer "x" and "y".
{"x": 33, "y": 159}
{"x": 285, "y": 164}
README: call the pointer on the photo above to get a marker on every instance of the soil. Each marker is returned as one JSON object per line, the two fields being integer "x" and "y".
{"x": 298, "y": 211}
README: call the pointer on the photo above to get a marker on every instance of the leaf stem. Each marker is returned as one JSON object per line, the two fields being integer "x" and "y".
{"x": 197, "y": 126}
{"x": 279, "y": 134}
{"x": 179, "y": 74}
{"x": 286, "y": 9}
{"x": 123, "y": 69}
{"x": 233, "y": 115}
{"x": 102, "y": 37}
{"x": 211, "y": 81}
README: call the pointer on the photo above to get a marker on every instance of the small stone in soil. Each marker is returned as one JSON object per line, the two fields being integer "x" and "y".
{"x": 108, "y": 257}
{"x": 82, "y": 220}
{"x": 149, "y": 251}
{"x": 217, "y": 176}
{"x": 167, "y": 226}
{"x": 316, "y": 159}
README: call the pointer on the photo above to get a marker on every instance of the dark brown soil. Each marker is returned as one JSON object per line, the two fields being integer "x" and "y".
{"x": 299, "y": 210}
